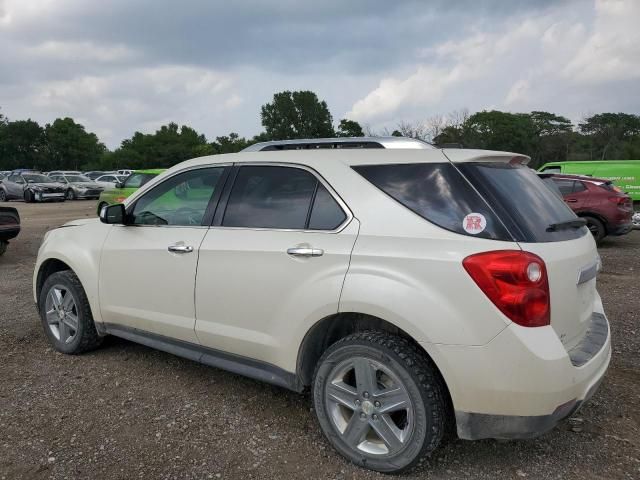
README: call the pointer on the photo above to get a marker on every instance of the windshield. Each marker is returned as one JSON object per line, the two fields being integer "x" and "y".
{"x": 36, "y": 178}
{"x": 136, "y": 180}
{"x": 77, "y": 178}
{"x": 522, "y": 201}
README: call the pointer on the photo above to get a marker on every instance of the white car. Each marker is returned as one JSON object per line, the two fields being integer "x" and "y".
{"x": 124, "y": 172}
{"x": 110, "y": 180}
{"x": 409, "y": 289}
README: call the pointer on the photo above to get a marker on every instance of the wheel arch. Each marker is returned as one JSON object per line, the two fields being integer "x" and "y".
{"x": 45, "y": 270}
{"x": 329, "y": 330}
{"x": 597, "y": 216}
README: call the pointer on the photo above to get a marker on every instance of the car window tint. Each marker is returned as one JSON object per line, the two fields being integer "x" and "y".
{"x": 181, "y": 200}
{"x": 565, "y": 186}
{"x": 270, "y": 197}
{"x": 438, "y": 193}
{"x": 578, "y": 187}
{"x": 326, "y": 214}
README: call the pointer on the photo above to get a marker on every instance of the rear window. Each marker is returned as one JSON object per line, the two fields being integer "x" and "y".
{"x": 438, "y": 193}
{"x": 522, "y": 201}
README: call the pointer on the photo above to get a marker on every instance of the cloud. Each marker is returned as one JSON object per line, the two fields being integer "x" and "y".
{"x": 122, "y": 66}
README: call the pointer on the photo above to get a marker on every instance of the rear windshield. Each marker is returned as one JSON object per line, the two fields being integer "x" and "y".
{"x": 522, "y": 201}
{"x": 489, "y": 200}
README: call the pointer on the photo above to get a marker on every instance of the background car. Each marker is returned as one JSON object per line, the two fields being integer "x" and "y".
{"x": 79, "y": 186}
{"x": 9, "y": 226}
{"x": 624, "y": 173}
{"x": 122, "y": 191}
{"x": 110, "y": 180}
{"x": 607, "y": 210}
{"x": 124, "y": 171}
{"x": 63, "y": 172}
{"x": 94, "y": 174}
{"x": 31, "y": 187}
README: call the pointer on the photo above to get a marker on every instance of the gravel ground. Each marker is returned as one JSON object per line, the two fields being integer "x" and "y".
{"x": 127, "y": 411}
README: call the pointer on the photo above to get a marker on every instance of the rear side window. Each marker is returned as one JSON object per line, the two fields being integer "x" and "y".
{"x": 565, "y": 186}
{"x": 326, "y": 214}
{"x": 438, "y": 193}
{"x": 270, "y": 197}
{"x": 522, "y": 202}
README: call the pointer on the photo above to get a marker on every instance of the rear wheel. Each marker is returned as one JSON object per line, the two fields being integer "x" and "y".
{"x": 66, "y": 315}
{"x": 379, "y": 401}
{"x": 3, "y": 195}
{"x": 597, "y": 228}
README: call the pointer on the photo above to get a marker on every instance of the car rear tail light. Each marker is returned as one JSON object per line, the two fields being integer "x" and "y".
{"x": 516, "y": 282}
{"x": 622, "y": 201}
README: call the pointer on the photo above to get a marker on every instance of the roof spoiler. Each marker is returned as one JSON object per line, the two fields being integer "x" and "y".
{"x": 462, "y": 156}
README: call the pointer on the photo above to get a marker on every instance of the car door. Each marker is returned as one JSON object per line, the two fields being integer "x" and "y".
{"x": 273, "y": 263}
{"x": 15, "y": 186}
{"x": 148, "y": 266}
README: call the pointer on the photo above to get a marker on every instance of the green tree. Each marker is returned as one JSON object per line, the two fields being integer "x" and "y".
{"x": 349, "y": 128}
{"x": 609, "y": 132}
{"x": 70, "y": 146}
{"x": 231, "y": 143}
{"x": 296, "y": 115}
{"x": 22, "y": 145}
{"x": 169, "y": 145}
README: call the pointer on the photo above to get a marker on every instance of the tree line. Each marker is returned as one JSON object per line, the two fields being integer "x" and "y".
{"x": 544, "y": 136}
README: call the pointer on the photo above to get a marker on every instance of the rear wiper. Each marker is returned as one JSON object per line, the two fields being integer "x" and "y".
{"x": 574, "y": 223}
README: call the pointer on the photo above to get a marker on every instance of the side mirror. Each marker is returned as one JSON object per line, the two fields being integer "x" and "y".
{"x": 113, "y": 214}
{"x": 119, "y": 184}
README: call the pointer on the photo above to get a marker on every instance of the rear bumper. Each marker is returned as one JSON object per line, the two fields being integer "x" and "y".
{"x": 621, "y": 229}
{"x": 523, "y": 382}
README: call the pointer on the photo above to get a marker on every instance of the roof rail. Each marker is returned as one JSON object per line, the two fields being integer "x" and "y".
{"x": 340, "y": 142}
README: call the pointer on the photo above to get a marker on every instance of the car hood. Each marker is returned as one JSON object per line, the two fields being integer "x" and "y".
{"x": 81, "y": 221}
{"x": 85, "y": 184}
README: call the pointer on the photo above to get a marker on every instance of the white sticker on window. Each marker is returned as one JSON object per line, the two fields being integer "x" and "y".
{"x": 474, "y": 223}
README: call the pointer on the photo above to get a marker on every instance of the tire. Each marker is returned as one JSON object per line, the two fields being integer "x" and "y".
{"x": 28, "y": 196}
{"x": 3, "y": 196}
{"x": 400, "y": 368}
{"x": 3, "y": 247}
{"x": 70, "y": 195}
{"x": 597, "y": 228}
{"x": 101, "y": 205}
{"x": 64, "y": 333}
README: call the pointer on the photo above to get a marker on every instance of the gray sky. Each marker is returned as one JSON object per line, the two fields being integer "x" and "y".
{"x": 119, "y": 66}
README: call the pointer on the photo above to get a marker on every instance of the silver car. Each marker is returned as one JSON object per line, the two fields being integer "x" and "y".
{"x": 79, "y": 186}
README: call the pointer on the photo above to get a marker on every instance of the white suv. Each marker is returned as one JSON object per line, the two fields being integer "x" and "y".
{"x": 411, "y": 290}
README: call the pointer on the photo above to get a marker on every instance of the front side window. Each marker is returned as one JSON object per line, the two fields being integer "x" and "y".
{"x": 181, "y": 200}
{"x": 565, "y": 186}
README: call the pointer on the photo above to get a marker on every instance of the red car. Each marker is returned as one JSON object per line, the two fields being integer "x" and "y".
{"x": 606, "y": 208}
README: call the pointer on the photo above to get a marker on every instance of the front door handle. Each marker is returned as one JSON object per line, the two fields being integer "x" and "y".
{"x": 571, "y": 200}
{"x": 305, "y": 252}
{"x": 178, "y": 248}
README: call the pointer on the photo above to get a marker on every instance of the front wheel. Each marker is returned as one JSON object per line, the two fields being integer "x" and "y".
{"x": 3, "y": 195}
{"x": 70, "y": 195}
{"x": 28, "y": 196}
{"x": 379, "y": 401}
{"x": 66, "y": 315}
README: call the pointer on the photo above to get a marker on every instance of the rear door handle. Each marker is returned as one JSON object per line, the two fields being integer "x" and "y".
{"x": 571, "y": 200}
{"x": 178, "y": 248}
{"x": 305, "y": 252}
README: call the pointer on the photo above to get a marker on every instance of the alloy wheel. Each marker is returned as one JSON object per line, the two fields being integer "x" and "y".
{"x": 369, "y": 406}
{"x": 62, "y": 314}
